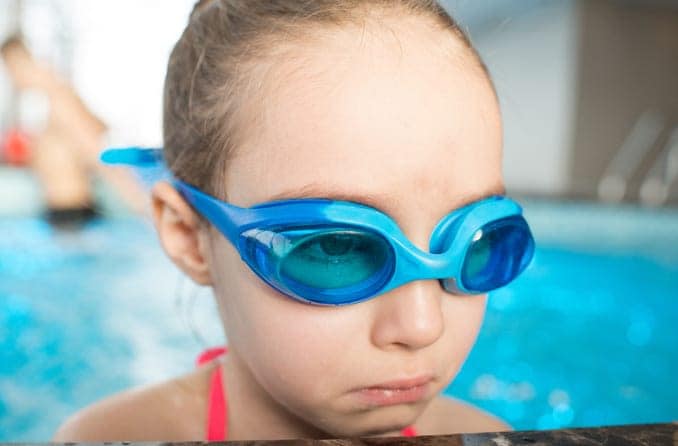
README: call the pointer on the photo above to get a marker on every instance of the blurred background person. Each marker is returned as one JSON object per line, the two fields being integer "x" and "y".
{"x": 63, "y": 151}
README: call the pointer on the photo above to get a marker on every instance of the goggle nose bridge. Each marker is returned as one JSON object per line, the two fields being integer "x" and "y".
{"x": 426, "y": 265}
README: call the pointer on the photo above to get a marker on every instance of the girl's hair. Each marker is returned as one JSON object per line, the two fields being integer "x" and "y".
{"x": 211, "y": 76}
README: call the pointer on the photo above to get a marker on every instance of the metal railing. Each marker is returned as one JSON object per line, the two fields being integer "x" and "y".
{"x": 656, "y": 187}
{"x": 636, "y": 151}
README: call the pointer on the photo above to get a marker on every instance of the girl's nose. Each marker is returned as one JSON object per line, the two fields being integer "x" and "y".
{"x": 409, "y": 316}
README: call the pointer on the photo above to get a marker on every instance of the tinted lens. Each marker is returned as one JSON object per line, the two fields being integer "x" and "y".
{"x": 498, "y": 253}
{"x": 336, "y": 259}
{"x": 326, "y": 265}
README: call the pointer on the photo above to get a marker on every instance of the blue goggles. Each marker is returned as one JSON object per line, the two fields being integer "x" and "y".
{"x": 328, "y": 252}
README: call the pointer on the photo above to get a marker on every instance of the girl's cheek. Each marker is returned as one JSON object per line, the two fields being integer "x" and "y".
{"x": 463, "y": 320}
{"x": 295, "y": 352}
{"x": 260, "y": 318}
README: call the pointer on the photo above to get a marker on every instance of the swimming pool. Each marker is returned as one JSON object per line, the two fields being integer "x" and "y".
{"x": 586, "y": 337}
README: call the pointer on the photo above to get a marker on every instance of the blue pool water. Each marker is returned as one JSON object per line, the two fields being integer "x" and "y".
{"x": 586, "y": 337}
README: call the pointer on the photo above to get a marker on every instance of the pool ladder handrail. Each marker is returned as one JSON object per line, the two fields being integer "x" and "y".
{"x": 656, "y": 187}
{"x": 635, "y": 149}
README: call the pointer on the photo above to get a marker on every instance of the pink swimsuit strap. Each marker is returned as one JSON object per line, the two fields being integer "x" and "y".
{"x": 217, "y": 408}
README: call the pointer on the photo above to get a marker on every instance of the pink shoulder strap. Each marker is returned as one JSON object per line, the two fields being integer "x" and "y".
{"x": 210, "y": 354}
{"x": 217, "y": 410}
{"x": 409, "y": 431}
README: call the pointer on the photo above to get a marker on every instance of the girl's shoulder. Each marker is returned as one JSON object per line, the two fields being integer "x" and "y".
{"x": 171, "y": 410}
{"x": 450, "y": 416}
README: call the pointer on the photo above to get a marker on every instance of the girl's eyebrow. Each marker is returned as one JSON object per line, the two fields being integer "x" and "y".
{"x": 374, "y": 200}
{"x": 314, "y": 190}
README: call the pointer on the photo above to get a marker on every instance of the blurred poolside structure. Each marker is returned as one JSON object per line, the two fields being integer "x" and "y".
{"x": 588, "y": 87}
{"x": 589, "y": 92}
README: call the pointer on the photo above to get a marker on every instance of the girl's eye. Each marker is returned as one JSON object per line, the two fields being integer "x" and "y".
{"x": 332, "y": 249}
{"x": 335, "y": 259}
{"x": 336, "y": 245}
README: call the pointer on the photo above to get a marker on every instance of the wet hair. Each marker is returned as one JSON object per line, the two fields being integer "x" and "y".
{"x": 212, "y": 82}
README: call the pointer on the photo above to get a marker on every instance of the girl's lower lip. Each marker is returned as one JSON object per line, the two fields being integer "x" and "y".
{"x": 379, "y": 396}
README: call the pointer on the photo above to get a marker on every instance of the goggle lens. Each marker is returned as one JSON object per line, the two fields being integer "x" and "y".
{"x": 327, "y": 266}
{"x": 498, "y": 253}
{"x": 336, "y": 259}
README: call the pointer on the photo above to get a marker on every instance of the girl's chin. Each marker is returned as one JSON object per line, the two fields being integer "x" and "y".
{"x": 381, "y": 421}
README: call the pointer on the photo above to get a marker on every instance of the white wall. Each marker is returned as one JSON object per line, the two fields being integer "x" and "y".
{"x": 533, "y": 59}
{"x": 121, "y": 48}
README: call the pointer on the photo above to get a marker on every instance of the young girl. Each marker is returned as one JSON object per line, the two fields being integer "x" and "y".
{"x": 337, "y": 182}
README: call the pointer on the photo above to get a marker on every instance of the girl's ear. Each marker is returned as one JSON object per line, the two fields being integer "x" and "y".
{"x": 182, "y": 234}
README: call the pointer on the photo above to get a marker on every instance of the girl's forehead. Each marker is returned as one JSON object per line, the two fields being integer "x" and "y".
{"x": 383, "y": 119}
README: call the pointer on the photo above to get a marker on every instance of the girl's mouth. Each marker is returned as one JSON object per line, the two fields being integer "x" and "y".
{"x": 396, "y": 392}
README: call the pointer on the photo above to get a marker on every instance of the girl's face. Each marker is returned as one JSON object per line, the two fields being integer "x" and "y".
{"x": 401, "y": 119}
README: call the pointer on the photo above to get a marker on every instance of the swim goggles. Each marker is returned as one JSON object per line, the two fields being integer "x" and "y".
{"x": 330, "y": 252}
